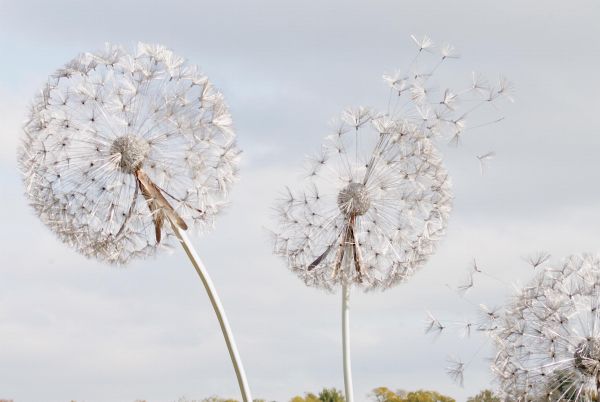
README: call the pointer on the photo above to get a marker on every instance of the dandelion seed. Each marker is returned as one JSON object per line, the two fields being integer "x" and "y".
{"x": 433, "y": 324}
{"x": 505, "y": 89}
{"x": 488, "y": 317}
{"x": 396, "y": 81}
{"x": 479, "y": 83}
{"x": 466, "y": 329}
{"x": 464, "y": 288}
{"x": 475, "y": 267}
{"x": 484, "y": 159}
{"x": 449, "y": 52}
{"x": 425, "y": 43}
{"x": 456, "y": 370}
{"x": 537, "y": 259}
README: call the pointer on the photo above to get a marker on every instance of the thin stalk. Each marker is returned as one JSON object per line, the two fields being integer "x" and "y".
{"x": 219, "y": 311}
{"x": 346, "y": 341}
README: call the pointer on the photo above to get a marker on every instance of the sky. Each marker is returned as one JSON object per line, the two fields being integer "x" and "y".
{"x": 76, "y": 329}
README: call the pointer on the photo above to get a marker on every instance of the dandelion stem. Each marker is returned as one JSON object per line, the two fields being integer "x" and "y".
{"x": 219, "y": 311}
{"x": 346, "y": 341}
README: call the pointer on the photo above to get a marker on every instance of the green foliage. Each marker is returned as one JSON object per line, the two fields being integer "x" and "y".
{"x": 331, "y": 395}
{"x": 485, "y": 396}
{"x": 326, "y": 395}
{"x": 383, "y": 394}
{"x": 308, "y": 397}
{"x": 426, "y": 396}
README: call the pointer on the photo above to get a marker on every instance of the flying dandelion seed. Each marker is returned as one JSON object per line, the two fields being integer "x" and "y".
{"x": 377, "y": 197}
{"x": 485, "y": 321}
{"x": 465, "y": 287}
{"x": 548, "y": 340}
{"x": 537, "y": 259}
{"x": 456, "y": 370}
{"x": 484, "y": 160}
{"x": 433, "y": 324}
{"x": 123, "y": 151}
{"x": 488, "y": 320}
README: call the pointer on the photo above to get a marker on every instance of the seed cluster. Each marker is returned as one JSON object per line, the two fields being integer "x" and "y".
{"x": 104, "y": 116}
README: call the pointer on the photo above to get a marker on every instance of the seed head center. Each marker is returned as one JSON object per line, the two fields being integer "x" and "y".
{"x": 133, "y": 150}
{"x": 587, "y": 356}
{"x": 354, "y": 199}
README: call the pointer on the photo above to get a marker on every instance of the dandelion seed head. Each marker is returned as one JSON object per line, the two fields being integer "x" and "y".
{"x": 372, "y": 212}
{"x": 548, "y": 339}
{"x": 105, "y": 117}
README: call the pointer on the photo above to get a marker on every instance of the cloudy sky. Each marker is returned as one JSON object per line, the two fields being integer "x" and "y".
{"x": 72, "y": 328}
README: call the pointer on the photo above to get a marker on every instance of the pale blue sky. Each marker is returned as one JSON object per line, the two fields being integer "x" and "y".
{"x": 72, "y": 328}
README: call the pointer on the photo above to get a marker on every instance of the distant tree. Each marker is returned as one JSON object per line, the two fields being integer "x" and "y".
{"x": 485, "y": 396}
{"x": 384, "y": 394}
{"x": 426, "y": 396}
{"x": 326, "y": 395}
{"x": 331, "y": 395}
{"x": 308, "y": 397}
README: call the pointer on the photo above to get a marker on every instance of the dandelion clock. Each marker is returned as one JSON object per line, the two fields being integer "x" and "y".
{"x": 377, "y": 197}
{"x": 548, "y": 339}
{"x": 124, "y": 151}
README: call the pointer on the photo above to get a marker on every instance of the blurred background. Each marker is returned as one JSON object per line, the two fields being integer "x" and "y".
{"x": 72, "y": 328}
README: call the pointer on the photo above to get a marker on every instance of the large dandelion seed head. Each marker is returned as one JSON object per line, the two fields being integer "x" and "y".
{"x": 104, "y": 118}
{"x": 377, "y": 196}
{"x": 548, "y": 341}
{"x": 379, "y": 179}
